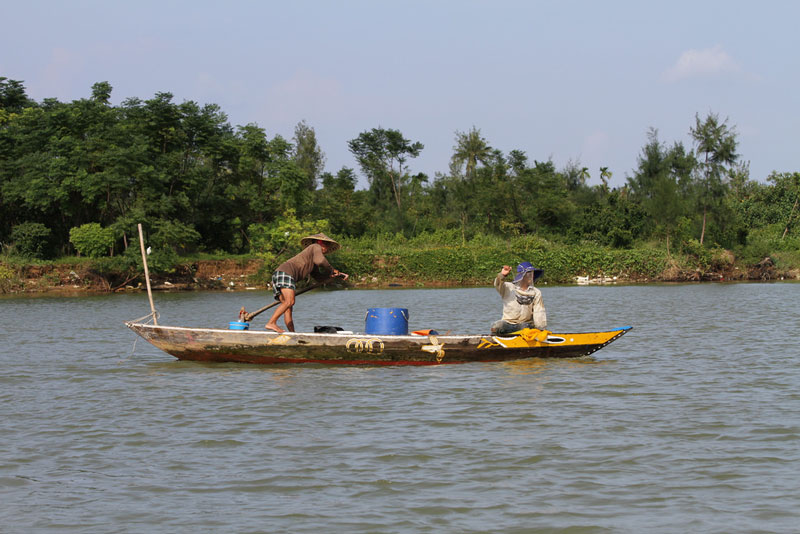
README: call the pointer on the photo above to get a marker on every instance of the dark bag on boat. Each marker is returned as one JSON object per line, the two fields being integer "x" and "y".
{"x": 327, "y": 329}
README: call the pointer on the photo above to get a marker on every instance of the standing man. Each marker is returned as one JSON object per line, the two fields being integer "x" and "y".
{"x": 522, "y": 303}
{"x": 311, "y": 261}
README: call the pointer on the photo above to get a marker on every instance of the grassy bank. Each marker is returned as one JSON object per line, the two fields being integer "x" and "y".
{"x": 431, "y": 261}
{"x": 477, "y": 261}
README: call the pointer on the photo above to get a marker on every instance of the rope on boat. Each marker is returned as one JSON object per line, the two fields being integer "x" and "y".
{"x": 151, "y": 317}
{"x": 133, "y": 349}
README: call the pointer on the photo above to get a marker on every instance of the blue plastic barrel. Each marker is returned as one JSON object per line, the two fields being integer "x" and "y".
{"x": 387, "y": 321}
{"x": 238, "y": 325}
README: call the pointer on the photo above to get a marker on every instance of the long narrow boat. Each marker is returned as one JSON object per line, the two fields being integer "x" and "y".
{"x": 265, "y": 347}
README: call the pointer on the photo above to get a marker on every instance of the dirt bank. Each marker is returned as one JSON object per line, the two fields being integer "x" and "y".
{"x": 233, "y": 275}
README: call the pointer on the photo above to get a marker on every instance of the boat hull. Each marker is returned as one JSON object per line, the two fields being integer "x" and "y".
{"x": 265, "y": 347}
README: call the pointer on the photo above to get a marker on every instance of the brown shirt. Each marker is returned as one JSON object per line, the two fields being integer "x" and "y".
{"x": 311, "y": 261}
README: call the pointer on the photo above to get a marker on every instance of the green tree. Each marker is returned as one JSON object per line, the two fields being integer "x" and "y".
{"x": 517, "y": 161}
{"x": 547, "y": 203}
{"x": 796, "y": 190}
{"x": 281, "y": 239}
{"x": 250, "y": 189}
{"x": 338, "y": 202}
{"x": 308, "y": 156}
{"x": 293, "y": 190}
{"x": 101, "y": 92}
{"x": 773, "y": 205}
{"x": 605, "y": 176}
{"x": 59, "y": 164}
{"x": 92, "y": 240}
{"x": 611, "y": 218}
{"x": 382, "y": 155}
{"x": 470, "y": 149}
{"x": 662, "y": 183}
{"x": 716, "y": 142}
{"x": 31, "y": 239}
{"x": 173, "y": 235}
{"x": 13, "y": 98}
{"x": 584, "y": 175}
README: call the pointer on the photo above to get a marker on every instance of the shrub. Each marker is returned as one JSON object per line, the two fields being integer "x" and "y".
{"x": 620, "y": 237}
{"x": 282, "y": 238}
{"x": 31, "y": 239}
{"x": 92, "y": 240}
{"x": 698, "y": 252}
{"x": 722, "y": 259}
{"x": 173, "y": 235}
{"x": 159, "y": 261}
{"x": 163, "y": 261}
{"x": 766, "y": 241}
{"x": 8, "y": 278}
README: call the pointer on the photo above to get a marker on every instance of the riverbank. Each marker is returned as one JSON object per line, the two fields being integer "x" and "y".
{"x": 383, "y": 272}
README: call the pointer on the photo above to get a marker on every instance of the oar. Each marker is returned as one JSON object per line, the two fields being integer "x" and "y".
{"x": 246, "y": 317}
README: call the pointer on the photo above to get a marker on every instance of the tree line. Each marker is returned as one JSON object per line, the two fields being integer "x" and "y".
{"x": 78, "y": 176}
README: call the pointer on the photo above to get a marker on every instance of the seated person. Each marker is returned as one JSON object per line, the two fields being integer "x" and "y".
{"x": 522, "y": 303}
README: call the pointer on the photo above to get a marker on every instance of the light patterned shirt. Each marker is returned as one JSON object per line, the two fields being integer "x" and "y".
{"x": 521, "y": 306}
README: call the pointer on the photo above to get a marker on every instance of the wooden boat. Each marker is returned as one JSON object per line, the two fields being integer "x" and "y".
{"x": 266, "y": 347}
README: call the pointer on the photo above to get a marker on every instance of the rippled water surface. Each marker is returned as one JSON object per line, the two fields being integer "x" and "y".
{"x": 690, "y": 423}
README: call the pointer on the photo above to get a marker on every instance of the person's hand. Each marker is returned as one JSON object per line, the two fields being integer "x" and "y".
{"x": 505, "y": 270}
{"x": 343, "y": 276}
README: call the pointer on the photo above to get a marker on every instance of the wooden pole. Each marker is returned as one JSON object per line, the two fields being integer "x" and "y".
{"x": 147, "y": 276}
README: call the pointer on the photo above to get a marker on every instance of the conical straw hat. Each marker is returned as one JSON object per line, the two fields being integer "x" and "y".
{"x": 333, "y": 246}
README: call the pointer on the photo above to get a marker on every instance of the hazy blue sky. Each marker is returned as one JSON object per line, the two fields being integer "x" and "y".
{"x": 572, "y": 81}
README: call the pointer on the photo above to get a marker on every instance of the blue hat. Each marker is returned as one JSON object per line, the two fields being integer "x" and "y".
{"x": 526, "y": 267}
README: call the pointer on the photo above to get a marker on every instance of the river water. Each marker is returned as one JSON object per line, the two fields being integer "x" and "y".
{"x": 689, "y": 423}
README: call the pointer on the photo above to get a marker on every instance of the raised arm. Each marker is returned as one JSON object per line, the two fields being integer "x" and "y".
{"x": 500, "y": 279}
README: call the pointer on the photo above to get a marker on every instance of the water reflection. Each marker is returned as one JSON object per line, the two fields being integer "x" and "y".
{"x": 534, "y": 366}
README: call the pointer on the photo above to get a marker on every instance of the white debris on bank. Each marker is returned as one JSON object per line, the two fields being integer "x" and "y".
{"x": 586, "y": 280}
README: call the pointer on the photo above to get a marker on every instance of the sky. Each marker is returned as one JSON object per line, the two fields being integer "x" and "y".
{"x": 574, "y": 82}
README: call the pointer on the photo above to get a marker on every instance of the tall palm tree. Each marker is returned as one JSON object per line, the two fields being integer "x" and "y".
{"x": 584, "y": 175}
{"x": 605, "y": 176}
{"x": 470, "y": 149}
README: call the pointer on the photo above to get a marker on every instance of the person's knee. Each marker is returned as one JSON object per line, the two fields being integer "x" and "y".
{"x": 502, "y": 327}
{"x": 287, "y": 297}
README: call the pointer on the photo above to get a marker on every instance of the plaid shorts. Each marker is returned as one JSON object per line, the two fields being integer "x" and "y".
{"x": 280, "y": 280}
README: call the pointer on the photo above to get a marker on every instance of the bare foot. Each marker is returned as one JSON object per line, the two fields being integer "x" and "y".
{"x": 274, "y": 327}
